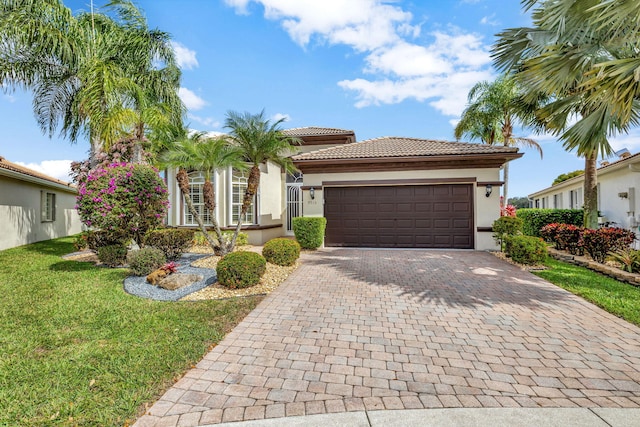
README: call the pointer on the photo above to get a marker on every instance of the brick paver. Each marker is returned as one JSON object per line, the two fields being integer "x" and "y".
{"x": 371, "y": 329}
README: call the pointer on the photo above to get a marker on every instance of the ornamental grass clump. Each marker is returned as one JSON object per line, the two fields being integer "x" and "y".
{"x": 281, "y": 251}
{"x": 145, "y": 260}
{"x": 173, "y": 242}
{"x": 123, "y": 199}
{"x": 241, "y": 269}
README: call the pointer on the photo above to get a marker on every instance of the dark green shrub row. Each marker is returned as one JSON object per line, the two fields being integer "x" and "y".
{"x": 281, "y": 251}
{"x": 599, "y": 243}
{"x": 526, "y": 249}
{"x": 309, "y": 231}
{"x": 535, "y": 219}
{"x": 506, "y": 226}
{"x": 241, "y": 269}
{"x": 99, "y": 238}
{"x": 173, "y": 242}
{"x": 112, "y": 255}
{"x": 145, "y": 260}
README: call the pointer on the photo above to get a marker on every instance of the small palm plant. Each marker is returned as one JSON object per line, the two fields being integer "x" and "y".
{"x": 628, "y": 259}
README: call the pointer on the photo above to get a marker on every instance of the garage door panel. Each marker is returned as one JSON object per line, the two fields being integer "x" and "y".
{"x": 437, "y": 216}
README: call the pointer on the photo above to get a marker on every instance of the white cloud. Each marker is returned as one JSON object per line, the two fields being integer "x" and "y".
{"x": 55, "y": 168}
{"x": 185, "y": 57}
{"x": 397, "y": 68}
{"x": 209, "y": 122}
{"x": 630, "y": 140}
{"x": 490, "y": 20}
{"x": 280, "y": 116}
{"x": 190, "y": 99}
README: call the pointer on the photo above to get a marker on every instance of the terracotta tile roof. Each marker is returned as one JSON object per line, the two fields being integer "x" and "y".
{"x": 390, "y": 146}
{"x": 7, "y": 165}
{"x": 316, "y": 131}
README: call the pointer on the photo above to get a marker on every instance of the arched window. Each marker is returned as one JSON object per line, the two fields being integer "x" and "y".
{"x": 239, "y": 180}
{"x": 196, "y": 181}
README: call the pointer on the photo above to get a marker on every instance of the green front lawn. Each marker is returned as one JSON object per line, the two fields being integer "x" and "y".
{"x": 620, "y": 299}
{"x": 75, "y": 349}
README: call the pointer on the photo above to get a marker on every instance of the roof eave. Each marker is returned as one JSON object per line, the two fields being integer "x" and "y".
{"x": 39, "y": 181}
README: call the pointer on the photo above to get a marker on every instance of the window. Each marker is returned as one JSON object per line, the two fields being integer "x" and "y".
{"x": 537, "y": 203}
{"x": 48, "y": 205}
{"x": 239, "y": 180}
{"x": 575, "y": 197}
{"x": 557, "y": 201}
{"x": 196, "y": 182}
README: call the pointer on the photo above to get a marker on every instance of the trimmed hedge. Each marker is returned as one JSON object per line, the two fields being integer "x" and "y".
{"x": 281, "y": 251}
{"x": 535, "y": 219}
{"x": 309, "y": 231}
{"x": 173, "y": 242}
{"x": 145, "y": 260}
{"x": 241, "y": 269}
{"x": 526, "y": 249}
{"x": 112, "y": 255}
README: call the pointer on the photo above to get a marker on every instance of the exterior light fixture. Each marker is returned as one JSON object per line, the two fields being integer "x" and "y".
{"x": 488, "y": 188}
{"x": 312, "y": 193}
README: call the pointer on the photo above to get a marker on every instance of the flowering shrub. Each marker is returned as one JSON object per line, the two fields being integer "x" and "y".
{"x": 598, "y": 243}
{"x": 569, "y": 237}
{"x": 508, "y": 210}
{"x": 125, "y": 200}
{"x": 122, "y": 151}
{"x": 170, "y": 267}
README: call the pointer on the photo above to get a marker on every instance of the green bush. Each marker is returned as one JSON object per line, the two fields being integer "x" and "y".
{"x": 200, "y": 240}
{"x": 241, "y": 269}
{"x": 535, "y": 219}
{"x": 173, "y": 242}
{"x": 309, "y": 231}
{"x": 506, "y": 226}
{"x": 145, "y": 260}
{"x": 281, "y": 251}
{"x": 97, "y": 239}
{"x": 526, "y": 249}
{"x": 112, "y": 255}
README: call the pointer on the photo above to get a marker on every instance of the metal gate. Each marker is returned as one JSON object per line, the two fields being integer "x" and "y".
{"x": 294, "y": 204}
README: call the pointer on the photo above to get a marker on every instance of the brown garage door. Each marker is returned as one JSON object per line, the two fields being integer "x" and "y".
{"x": 424, "y": 216}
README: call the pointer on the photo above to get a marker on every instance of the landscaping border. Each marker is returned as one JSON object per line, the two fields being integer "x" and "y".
{"x": 607, "y": 270}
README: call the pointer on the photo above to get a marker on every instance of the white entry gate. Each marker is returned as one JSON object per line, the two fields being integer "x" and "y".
{"x": 294, "y": 199}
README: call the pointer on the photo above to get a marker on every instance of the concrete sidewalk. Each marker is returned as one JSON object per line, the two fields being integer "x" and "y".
{"x": 364, "y": 332}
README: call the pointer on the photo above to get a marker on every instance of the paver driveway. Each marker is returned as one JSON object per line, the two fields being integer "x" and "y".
{"x": 371, "y": 329}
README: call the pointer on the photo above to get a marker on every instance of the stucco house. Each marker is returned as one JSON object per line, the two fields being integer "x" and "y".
{"x": 382, "y": 192}
{"x": 34, "y": 206}
{"x": 617, "y": 184}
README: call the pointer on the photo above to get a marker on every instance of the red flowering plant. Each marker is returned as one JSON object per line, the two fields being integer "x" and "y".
{"x": 170, "y": 267}
{"x": 508, "y": 210}
{"x": 123, "y": 199}
{"x": 599, "y": 243}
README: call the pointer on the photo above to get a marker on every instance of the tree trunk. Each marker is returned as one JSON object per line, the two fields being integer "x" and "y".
{"x": 505, "y": 188}
{"x": 97, "y": 147}
{"x": 252, "y": 188}
{"x": 183, "y": 183}
{"x": 209, "y": 196}
{"x": 137, "y": 144}
{"x": 507, "y": 134}
{"x": 591, "y": 191}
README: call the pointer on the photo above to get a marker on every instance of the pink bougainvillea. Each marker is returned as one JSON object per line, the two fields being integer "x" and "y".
{"x": 125, "y": 199}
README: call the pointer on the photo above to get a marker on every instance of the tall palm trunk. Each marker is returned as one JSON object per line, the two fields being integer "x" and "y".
{"x": 183, "y": 183}
{"x": 591, "y": 191}
{"x": 505, "y": 188}
{"x": 97, "y": 147}
{"x": 507, "y": 134}
{"x": 252, "y": 189}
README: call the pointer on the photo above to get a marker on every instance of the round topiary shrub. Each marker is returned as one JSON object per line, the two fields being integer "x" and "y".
{"x": 309, "y": 231}
{"x": 112, "y": 255}
{"x": 527, "y": 250}
{"x": 281, "y": 251}
{"x": 241, "y": 269}
{"x": 145, "y": 261}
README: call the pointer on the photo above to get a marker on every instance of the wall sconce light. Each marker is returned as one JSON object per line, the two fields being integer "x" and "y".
{"x": 312, "y": 193}
{"x": 488, "y": 188}
{"x": 623, "y": 195}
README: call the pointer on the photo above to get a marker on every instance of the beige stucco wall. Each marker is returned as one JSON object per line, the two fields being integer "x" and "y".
{"x": 486, "y": 209}
{"x": 20, "y": 213}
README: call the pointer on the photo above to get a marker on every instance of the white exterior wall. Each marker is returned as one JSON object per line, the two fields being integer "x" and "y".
{"x": 21, "y": 213}
{"x": 486, "y": 209}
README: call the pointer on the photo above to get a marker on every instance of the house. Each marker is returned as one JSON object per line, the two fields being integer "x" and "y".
{"x": 617, "y": 184}
{"x": 34, "y": 206}
{"x": 383, "y": 192}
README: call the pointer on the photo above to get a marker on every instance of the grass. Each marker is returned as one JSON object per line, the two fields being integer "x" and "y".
{"x": 620, "y": 299}
{"x": 75, "y": 349}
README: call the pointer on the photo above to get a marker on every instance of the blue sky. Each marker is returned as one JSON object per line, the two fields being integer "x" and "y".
{"x": 380, "y": 68}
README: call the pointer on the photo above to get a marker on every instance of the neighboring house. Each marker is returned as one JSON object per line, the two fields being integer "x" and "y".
{"x": 384, "y": 192}
{"x": 618, "y": 187}
{"x": 34, "y": 206}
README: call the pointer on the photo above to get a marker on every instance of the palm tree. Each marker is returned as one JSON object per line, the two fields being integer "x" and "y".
{"x": 201, "y": 153}
{"x": 493, "y": 109}
{"x": 583, "y": 56}
{"x": 260, "y": 141}
{"x": 91, "y": 74}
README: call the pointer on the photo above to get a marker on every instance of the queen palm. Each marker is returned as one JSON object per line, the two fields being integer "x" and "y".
{"x": 583, "y": 55}
{"x": 493, "y": 110}
{"x": 260, "y": 141}
{"x": 91, "y": 74}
